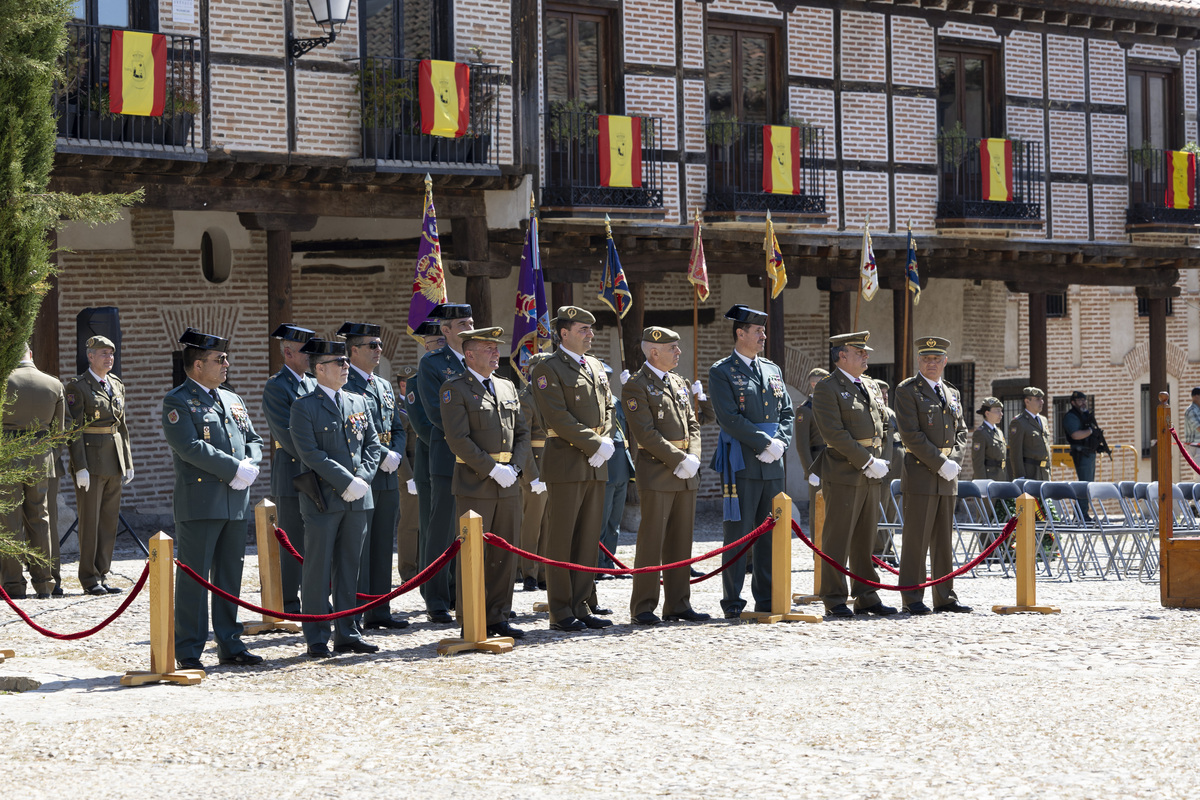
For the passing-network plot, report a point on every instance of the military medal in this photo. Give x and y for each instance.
(97, 414)
(207, 434)
(660, 413)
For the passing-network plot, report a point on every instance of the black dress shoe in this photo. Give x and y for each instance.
(594, 622)
(386, 624)
(189, 663)
(58, 592)
(356, 646)
(440, 617)
(43, 595)
(243, 659)
(504, 629)
(529, 585)
(841, 611)
(603, 612)
(696, 573)
(688, 615)
(917, 609)
(879, 610)
(111, 589)
(568, 624)
(601, 576)
(954, 607)
(98, 590)
(541, 586)
(733, 614)
(319, 651)
(646, 618)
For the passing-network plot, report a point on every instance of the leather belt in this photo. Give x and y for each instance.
(537, 442)
(599, 431)
(107, 429)
(682, 444)
(875, 442)
(385, 437)
(499, 458)
(1040, 463)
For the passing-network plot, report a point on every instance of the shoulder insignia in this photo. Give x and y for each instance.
(411, 397)
(977, 445)
(70, 398)
(446, 396)
(173, 416)
(541, 382)
(632, 404)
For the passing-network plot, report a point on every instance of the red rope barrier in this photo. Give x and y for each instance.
(137, 587)
(970, 565)
(879, 562)
(1186, 455)
(403, 588)
(286, 543)
(698, 578)
(613, 558)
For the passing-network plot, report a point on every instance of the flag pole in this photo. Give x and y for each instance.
(908, 334)
(696, 327)
(620, 334)
(861, 256)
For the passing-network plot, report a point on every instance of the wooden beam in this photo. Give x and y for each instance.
(279, 289)
(1038, 374)
(477, 269)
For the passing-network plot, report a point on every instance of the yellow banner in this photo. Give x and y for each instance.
(620, 151)
(783, 166)
(997, 169)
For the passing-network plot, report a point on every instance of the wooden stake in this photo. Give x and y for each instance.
(6, 654)
(781, 569)
(816, 535)
(474, 615)
(162, 620)
(1026, 545)
(271, 588)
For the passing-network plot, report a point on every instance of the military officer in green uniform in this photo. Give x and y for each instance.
(435, 369)
(573, 396)
(216, 454)
(335, 439)
(535, 522)
(1029, 438)
(281, 390)
(365, 349)
(486, 431)
(848, 411)
(658, 411)
(410, 509)
(988, 447)
(100, 460)
(929, 414)
(755, 413)
(809, 443)
(430, 333)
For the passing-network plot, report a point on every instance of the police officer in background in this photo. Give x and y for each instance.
(1029, 438)
(430, 333)
(988, 448)
(410, 509)
(809, 444)
(535, 522)
(1079, 424)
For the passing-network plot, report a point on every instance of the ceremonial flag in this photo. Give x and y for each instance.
(914, 280)
(444, 89)
(620, 151)
(868, 274)
(1181, 179)
(531, 322)
(614, 291)
(775, 268)
(697, 267)
(137, 73)
(429, 283)
(996, 165)
(781, 159)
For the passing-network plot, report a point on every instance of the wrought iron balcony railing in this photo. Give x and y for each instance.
(962, 182)
(735, 171)
(82, 102)
(391, 116)
(1150, 175)
(573, 171)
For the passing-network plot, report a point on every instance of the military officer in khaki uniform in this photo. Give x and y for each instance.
(848, 411)
(535, 522)
(929, 414)
(988, 448)
(486, 431)
(410, 509)
(573, 396)
(658, 410)
(1029, 438)
(809, 443)
(101, 461)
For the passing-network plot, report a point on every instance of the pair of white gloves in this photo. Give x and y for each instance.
(697, 389)
(773, 453)
(504, 475)
(390, 462)
(688, 467)
(357, 489)
(246, 473)
(607, 448)
(83, 479)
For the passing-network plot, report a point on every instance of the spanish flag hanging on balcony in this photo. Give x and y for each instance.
(996, 167)
(1181, 179)
(620, 151)
(137, 73)
(781, 159)
(444, 89)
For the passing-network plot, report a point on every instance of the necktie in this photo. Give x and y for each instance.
(937, 387)
(337, 400)
(863, 388)
(104, 385)
(756, 370)
(370, 380)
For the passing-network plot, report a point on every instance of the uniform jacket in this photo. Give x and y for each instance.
(35, 400)
(389, 426)
(987, 444)
(577, 407)
(207, 445)
(664, 427)
(620, 466)
(927, 427)
(1026, 441)
(479, 426)
(281, 390)
(435, 369)
(891, 436)
(741, 403)
(531, 469)
(405, 471)
(105, 454)
(809, 443)
(843, 416)
(338, 446)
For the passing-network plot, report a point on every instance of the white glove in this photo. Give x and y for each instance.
(357, 489)
(876, 468)
(412, 486)
(83, 479)
(949, 470)
(237, 484)
(504, 475)
(688, 467)
(390, 462)
(607, 448)
(814, 479)
(765, 456)
(536, 486)
(247, 472)
(624, 376)
(776, 449)
(128, 477)
(698, 390)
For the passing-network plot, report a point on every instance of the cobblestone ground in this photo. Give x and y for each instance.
(1097, 701)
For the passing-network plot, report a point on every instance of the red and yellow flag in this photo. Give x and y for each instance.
(444, 91)
(1181, 179)
(996, 164)
(781, 159)
(697, 266)
(137, 73)
(620, 151)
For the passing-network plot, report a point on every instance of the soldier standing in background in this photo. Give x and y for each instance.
(1029, 438)
(410, 507)
(988, 448)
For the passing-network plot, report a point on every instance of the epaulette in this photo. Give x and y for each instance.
(907, 381)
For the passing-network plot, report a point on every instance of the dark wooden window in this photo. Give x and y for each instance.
(135, 14)
(1056, 304)
(1150, 92)
(1144, 307)
(406, 28)
(742, 70)
(578, 58)
(968, 90)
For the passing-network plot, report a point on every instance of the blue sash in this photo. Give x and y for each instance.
(729, 461)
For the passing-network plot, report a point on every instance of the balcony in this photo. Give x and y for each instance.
(735, 173)
(1149, 208)
(962, 202)
(81, 101)
(574, 180)
(391, 120)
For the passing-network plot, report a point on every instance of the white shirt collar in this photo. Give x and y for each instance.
(478, 377)
(989, 425)
(749, 362)
(202, 387)
(850, 377)
(575, 356)
(366, 376)
(298, 376)
(932, 384)
(662, 376)
(94, 375)
(329, 392)
(1033, 415)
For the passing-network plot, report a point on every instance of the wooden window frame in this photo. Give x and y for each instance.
(994, 125)
(1174, 131)
(776, 96)
(612, 98)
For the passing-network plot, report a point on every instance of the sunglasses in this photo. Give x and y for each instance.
(222, 359)
(374, 345)
(340, 361)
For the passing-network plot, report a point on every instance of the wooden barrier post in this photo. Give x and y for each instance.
(474, 613)
(815, 534)
(269, 581)
(162, 620)
(6, 654)
(1026, 535)
(781, 568)
(1179, 556)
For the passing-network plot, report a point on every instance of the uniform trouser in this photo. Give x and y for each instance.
(576, 511)
(501, 516)
(535, 524)
(614, 510)
(291, 522)
(755, 500)
(375, 571)
(406, 534)
(435, 538)
(664, 537)
(928, 528)
(812, 511)
(334, 545)
(52, 512)
(99, 512)
(29, 522)
(848, 537)
(1085, 465)
(214, 548)
(424, 498)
